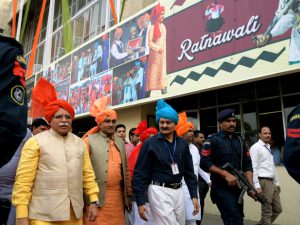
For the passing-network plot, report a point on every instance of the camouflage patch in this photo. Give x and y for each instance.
(17, 94)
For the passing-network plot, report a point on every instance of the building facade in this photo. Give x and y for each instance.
(207, 56)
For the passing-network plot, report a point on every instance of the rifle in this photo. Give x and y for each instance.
(244, 184)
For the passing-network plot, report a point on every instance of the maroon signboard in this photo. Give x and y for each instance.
(206, 32)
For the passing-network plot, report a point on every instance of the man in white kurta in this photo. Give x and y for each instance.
(185, 129)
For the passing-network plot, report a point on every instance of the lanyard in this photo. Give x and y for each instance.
(174, 150)
(268, 149)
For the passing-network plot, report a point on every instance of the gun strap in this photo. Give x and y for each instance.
(242, 151)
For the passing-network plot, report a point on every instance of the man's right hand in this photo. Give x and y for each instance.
(230, 179)
(142, 211)
(22, 221)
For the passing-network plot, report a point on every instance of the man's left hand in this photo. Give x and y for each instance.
(92, 212)
(196, 206)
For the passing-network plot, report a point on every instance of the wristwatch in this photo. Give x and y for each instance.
(96, 202)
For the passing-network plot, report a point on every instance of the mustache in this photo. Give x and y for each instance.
(63, 124)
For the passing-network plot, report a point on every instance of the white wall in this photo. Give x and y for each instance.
(290, 200)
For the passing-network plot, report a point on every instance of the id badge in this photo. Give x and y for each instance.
(175, 169)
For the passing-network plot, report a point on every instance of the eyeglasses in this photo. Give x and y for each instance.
(59, 117)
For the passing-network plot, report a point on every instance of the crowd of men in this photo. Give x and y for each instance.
(50, 176)
(157, 177)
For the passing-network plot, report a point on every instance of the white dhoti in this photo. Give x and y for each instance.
(167, 205)
(190, 219)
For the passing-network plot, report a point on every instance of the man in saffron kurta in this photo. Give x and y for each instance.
(107, 152)
(53, 172)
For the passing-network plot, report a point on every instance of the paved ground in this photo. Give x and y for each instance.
(216, 220)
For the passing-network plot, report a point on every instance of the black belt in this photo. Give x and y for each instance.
(173, 186)
(266, 178)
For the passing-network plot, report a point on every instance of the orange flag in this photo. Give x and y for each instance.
(113, 10)
(35, 41)
(14, 20)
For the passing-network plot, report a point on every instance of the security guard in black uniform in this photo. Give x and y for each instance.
(291, 154)
(220, 148)
(13, 106)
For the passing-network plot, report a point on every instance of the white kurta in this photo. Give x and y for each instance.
(189, 207)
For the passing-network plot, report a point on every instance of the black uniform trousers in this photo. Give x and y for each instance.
(226, 199)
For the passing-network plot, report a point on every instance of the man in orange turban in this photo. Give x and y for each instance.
(185, 129)
(54, 168)
(107, 152)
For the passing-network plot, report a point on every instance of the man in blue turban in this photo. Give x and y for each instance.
(164, 110)
(162, 163)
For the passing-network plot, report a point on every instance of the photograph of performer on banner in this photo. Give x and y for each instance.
(157, 64)
(63, 68)
(215, 20)
(286, 17)
(129, 82)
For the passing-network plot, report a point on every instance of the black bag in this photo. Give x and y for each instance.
(291, 156)
(13, 104)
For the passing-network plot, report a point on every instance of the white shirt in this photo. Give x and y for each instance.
(262, 163)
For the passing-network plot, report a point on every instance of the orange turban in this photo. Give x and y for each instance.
(44, 102)
(183, 124)
(100, 112)
(54, 106)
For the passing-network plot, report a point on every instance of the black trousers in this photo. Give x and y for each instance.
(203, 189)
(226, 199)
(4, 210)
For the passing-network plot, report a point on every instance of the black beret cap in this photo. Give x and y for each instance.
(225, 114)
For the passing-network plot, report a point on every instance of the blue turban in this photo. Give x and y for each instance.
(164, 110)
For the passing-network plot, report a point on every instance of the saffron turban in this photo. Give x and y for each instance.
(54, 106)
(165, 111)
(155, 13)
(100, 112)
(183, 125)
(44, 102)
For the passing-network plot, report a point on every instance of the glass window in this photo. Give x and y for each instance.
(236, 94)
(78, 31)
(87, 18)
(269, 106)
(207, 99)
(191, 100)
(208, 121)
(267, 88)
(290, 83)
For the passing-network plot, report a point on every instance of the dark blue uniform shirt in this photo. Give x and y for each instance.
(219, 149)
(154, 164)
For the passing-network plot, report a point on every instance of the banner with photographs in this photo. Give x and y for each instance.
(100, 85)
(174, 48)
(62, 89)
(79, 96)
